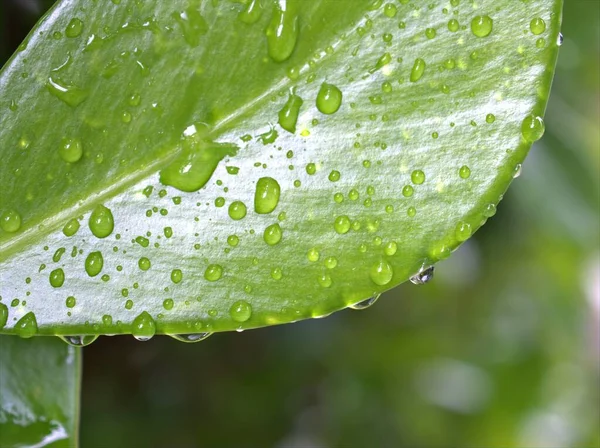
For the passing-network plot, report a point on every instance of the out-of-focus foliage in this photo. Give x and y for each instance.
(501, 350)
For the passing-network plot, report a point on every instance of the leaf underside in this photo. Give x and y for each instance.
(412, 163)
(39, 393)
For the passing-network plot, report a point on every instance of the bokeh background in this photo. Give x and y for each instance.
(500, 350)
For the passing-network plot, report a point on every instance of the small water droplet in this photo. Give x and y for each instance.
(240, 311)
(313, 255)
(94, 263)
(288, 115)
(143, 327)
(266, 196)
(329, 99)
(3, 315)
(10, 221)
(417, 177)
(190, 338)
(517, 170)
(142, 241)
(532, 128)
(57, 278)
(237, 210)
(74, 28)
(70, 302)
(462, 231)
(26, 326)
(282, 32)
(424, 275)
(213, 272)
(70, 150)
(482, 26)
(71, 227)
(273, 234)
(364, 304)
(418, 70)
(390, 248)
(464, 172)
(144, 264)
(101, 222)
(342, 224)
(537, 26)
(453, 25)
(251, 13)
(489, 210)
(381, 273)
(80, 340)
(390, 10)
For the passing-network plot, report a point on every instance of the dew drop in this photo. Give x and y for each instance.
(71, 227)
(390, 10)
(74, 28)
(342, 224)
(10, 221)
(101, 222)
(57, 278)
(192, 24)
(430, 33)
(240, 311)
(288, 115)
(311, 169)
(190, 338)
(251, 13)
(313, 255)
(517, 170)
(26, 326)
(213, 272)
(70, 94)
(3, 315)
(481, 26)
(70, 150)
(325, 280)
(462, 231)
(381, 273)
(70, 302)
(94, 263)
(168, 304)
(537, 26)
(407, 191)
(334, 176)
(417, 177)
(282, 32)
(80, 340)
(143, 327)
(176, 275)
(144, 263)
(464, 172)
(329, 99)
(423, 276)
(364, 304)
(559, 39)
(417, 70)
(390, 248)
(490, 118)
(489, 210)
(273, 234)
(532, 128)
(266, 196)
(237, 210)
(142, 241)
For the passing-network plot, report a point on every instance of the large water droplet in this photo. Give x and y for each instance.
(532, 128)
(79, 340)
(266, 196)
(423, 276)
(70, 150)
(273, 234)
(240, 311)
(143, 327)
(282, 32)
(342, 224)
(57, 278)
(101, 222)
(237, 210)
(213, 272)
(364, 304)
(537, 26)
(288, 115)
(329, 99)
(10, 221)
(418, 69)
(74, 28)
(190, 338)
(26, 326)
(94, 263)
(481, 26)
(381, 273)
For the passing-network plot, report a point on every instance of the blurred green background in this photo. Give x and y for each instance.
(500, 350)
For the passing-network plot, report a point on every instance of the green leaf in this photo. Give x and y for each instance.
(311, 154)
(39, 393)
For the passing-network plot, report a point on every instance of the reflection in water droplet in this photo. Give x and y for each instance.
(74, 28)
(191, 337)
(423, 276)
(364, 304)
(79, 341)
(213, 272)
(237, 210)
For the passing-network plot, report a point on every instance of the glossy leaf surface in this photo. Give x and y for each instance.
(190, 167)
(39, 393)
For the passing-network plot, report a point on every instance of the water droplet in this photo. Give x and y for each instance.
(213, 272)
(251, 13)
(490, 118)
(532, 128)
(71, 227)
(453, 25)
(330, 262)
(94, 263)
(517, 170)
(313, 255)
(237, 210)
(342, 224)
(80, 340)
(325, 280)
(329, 99)
(26, 326)
(273, 234)
(70, 94)
(481, 26)
(390, 10)
(176, 275)
(266, 196)
(334, 176)
(269, 137)
(101, 222)
(282, 32)
(233, 240)
(407, 191)
(381, 273)
(58, 254)
(70, 302)
(74, 28)
(190, 338)
(143, 327)
(559, 39)
(168, 304)
(423, 276)
(70, 150)
(142, 241)
(390, 248)
(462, 231)
(288, 115)
(364, 304)
(57, 278)
(417, 177)
(430, 33)
(3, 315)
(417, 70)
(240, 311)
(464, 172)
(144, 263)
(168, 231)
(192, 24)
(537, 26)
(311, 169)
(10, 221)
(489, 210)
